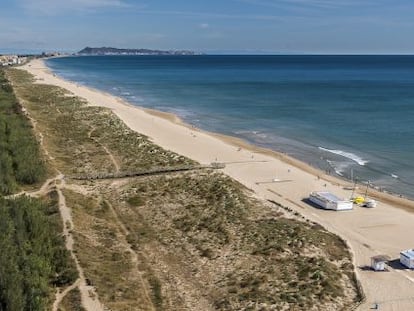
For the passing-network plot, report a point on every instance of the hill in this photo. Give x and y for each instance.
(116, 51)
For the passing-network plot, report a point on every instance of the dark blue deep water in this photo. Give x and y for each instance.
(339, 113)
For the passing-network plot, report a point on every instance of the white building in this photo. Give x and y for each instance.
(329, 201)
(10, 60)
(407, 258)
(378, 262)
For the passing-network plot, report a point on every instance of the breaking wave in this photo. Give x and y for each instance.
(339, 167)
(347, 155)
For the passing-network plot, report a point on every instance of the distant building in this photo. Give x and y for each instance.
(10, 60)
(407, 258)
(329, 201)
(51, 54)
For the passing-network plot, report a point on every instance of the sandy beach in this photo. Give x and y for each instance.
(385, 229)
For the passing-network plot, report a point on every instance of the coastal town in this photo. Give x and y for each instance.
(7, 60)
(11, 60)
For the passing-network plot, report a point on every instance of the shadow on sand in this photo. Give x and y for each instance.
(369, 269)
(396, 265)
(314, 205)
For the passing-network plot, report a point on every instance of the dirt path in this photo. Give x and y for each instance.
(134, 256)
(89, 297)
(60, 295)
(44, 189)
(107, 151)
(111, 156)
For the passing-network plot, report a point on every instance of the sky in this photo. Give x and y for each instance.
(210, 26)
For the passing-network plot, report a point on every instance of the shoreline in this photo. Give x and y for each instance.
(387, 196)
(274, 176)
(375, 191)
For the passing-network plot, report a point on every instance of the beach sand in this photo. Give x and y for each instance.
(386, 229)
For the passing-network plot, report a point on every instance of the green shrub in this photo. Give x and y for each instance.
(20, 161)
(32, 258)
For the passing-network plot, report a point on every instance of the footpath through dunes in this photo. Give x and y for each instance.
(33, 258)
(195, 240)
(43, 241)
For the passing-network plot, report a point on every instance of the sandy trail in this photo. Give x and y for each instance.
(386, 229)
(134, 256)
(60, 295)
(107, 151)
(89, 297)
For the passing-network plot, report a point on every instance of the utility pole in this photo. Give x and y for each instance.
(353, 188)
(366, 189)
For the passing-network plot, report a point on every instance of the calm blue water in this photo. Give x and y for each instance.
(339, 113)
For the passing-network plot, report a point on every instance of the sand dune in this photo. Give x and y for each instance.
(386, 229)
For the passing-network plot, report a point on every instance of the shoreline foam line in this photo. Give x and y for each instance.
(346, 154)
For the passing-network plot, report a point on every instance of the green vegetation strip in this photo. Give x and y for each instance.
(20, 163)
(33, 259)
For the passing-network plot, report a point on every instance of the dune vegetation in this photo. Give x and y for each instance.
(20, 162)
(33, 257)
(178, 241)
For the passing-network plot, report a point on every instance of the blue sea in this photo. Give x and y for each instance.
(352, 116)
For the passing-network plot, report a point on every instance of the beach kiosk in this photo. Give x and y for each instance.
(378, 262)
(407, 258)
(329, 201)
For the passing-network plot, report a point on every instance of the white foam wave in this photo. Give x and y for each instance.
(347, 155)
(251, 133)
(338, 167)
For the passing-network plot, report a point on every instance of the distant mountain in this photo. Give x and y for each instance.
(115, 51)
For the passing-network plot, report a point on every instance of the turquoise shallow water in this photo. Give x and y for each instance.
(340, 113)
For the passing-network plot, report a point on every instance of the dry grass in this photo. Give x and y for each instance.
(75, 135)
(203, 243)
(249, 255)
(103, 253)
(72, 302)
(194, 241)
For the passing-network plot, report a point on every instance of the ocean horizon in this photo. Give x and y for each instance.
(351, 116)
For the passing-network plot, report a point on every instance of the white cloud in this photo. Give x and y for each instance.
(204, 25)
(51, 7)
